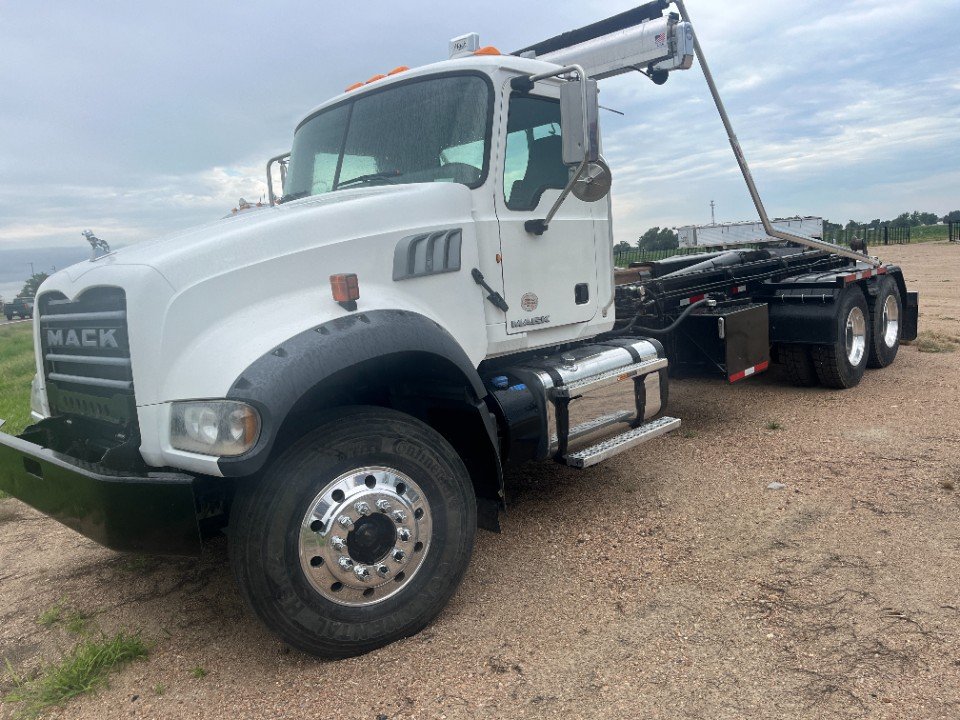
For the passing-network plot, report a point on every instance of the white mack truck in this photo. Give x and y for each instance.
(338, 379)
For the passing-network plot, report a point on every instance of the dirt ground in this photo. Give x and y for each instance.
(667, 583)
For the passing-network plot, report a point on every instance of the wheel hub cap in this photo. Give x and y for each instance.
(856, 336)
(891, 321)
(365, 535)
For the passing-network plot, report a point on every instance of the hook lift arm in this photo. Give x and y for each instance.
(745, 169)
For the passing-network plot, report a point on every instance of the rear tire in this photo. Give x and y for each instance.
(314, 541)
(887, 324)
(842, 364)
(799, 365)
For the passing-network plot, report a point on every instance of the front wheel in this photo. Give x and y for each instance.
(357, 535)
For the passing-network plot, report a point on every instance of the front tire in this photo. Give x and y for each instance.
(842, 364)
(357, 535)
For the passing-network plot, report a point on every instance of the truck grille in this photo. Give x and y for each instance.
(86, 354)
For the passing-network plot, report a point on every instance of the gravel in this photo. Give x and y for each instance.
(666, 583)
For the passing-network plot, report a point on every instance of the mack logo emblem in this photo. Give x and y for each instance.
(529, 301)
(541, 320)
(87, 337)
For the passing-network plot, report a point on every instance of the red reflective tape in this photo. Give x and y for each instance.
(691, 300)
(738, 289)
(882, 270)
(759, 368)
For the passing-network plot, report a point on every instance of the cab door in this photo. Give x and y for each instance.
(549, 280)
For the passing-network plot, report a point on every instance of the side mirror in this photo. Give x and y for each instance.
(579, 121)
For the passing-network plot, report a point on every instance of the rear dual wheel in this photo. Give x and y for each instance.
(842, 363)
(357, 535)
(887, 328)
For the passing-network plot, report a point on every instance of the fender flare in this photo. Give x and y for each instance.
(276, 381)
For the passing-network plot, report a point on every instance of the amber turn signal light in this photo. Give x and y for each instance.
(345, 287)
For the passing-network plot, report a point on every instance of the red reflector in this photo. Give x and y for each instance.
(345, 287)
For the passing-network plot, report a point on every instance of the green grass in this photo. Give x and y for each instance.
(72, 619)
(933, 342)
(84, 669)
(50, 616)
(774, 425)
(198, 672)
(17, 369)
(928, 233)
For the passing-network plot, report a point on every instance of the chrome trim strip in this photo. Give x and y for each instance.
(88, 359)
(67, 317)
(93, 382)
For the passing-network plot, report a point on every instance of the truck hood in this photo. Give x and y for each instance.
(250, 238)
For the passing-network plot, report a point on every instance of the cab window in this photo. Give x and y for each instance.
(534, 156)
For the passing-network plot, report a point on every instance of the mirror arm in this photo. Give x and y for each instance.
(539, 227)
(283, 176)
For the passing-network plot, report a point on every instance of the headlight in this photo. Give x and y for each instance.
(214, 427)
(38, 399)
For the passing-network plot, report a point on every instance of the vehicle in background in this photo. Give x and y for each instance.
(745, 233)
(21, 307)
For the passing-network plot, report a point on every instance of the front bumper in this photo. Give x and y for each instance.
(153, 512)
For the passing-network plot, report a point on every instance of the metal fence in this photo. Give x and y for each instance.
(872, 234)
(953, 232)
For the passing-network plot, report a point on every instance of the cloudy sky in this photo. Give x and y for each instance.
(138, 119)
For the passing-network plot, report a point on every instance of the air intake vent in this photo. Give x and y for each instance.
(427, 254)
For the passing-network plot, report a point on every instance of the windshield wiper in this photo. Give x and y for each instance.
(389, 174)
(293, 196)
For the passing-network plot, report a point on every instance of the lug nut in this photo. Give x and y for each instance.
(345, 562)
(383, 505)
(362, 508)
(398, 555)
(345, 521)
(337, 543)
(362, 572)
(403, 534)
(383, 571)
(399, 515)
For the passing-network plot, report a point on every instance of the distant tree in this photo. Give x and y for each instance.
(622, 246)
(31, 285)
(902, 220)
(924, 218)
(658, 239)
(952, 217)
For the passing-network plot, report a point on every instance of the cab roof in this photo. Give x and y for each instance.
(487, 64)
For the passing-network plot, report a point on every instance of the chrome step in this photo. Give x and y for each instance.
(593, 425)
(617, 444)
(610, 377)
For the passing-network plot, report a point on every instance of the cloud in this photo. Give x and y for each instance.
(163, 116)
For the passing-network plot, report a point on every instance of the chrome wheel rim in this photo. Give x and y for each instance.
(891, 321)
(365, 535)
(856, 336)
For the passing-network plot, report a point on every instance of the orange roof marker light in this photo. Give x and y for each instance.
(488, 50)
(381, 76)
(353, 87)
(398, 70)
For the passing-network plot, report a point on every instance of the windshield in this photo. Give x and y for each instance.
(431, 130)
